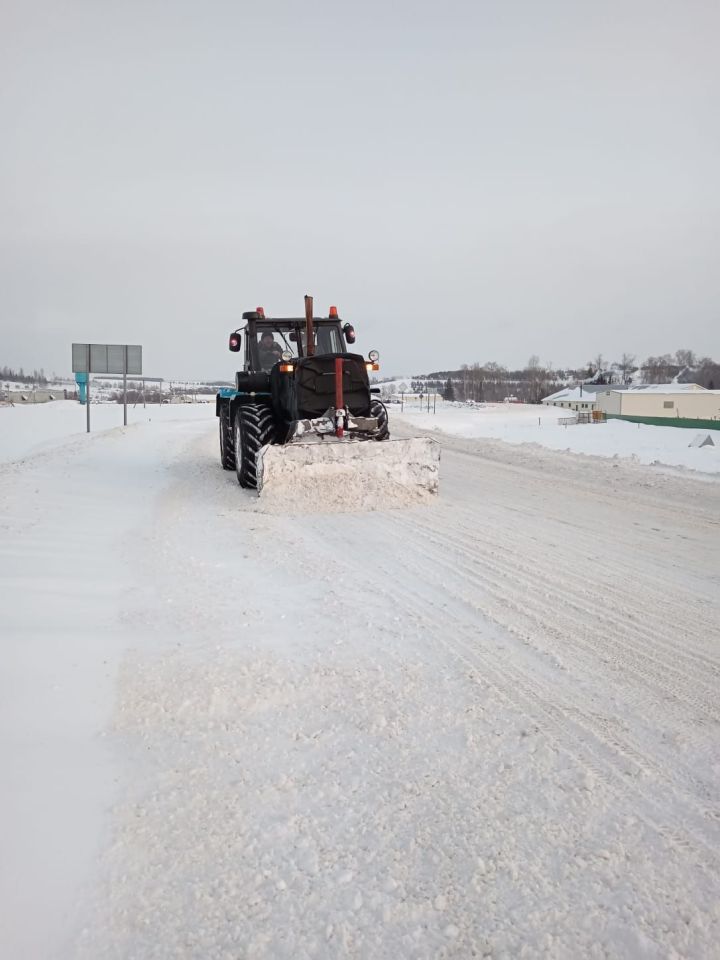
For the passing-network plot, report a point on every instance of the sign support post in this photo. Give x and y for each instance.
(87, 391)
(125, 369)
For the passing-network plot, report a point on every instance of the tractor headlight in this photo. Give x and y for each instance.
(373, 356)
(287, 355)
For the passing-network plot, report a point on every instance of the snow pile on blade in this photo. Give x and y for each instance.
(331, 475)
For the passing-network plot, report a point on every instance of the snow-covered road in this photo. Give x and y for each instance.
(488, 727)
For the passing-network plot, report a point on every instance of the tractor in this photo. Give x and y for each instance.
(299, 386)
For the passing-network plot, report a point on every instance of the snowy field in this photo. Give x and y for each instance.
(525, 423)
(484, 728)
(35, 429)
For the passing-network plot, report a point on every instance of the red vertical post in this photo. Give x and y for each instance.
(339, 399)
(309, 333)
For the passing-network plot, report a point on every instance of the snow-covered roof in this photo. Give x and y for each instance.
(596, 387)
(571, 395)
(660, 388)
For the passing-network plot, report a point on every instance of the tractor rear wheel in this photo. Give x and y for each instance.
(254, 427)
(227, 439)
(377, 409)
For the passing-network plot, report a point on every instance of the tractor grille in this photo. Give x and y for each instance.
(312, 390)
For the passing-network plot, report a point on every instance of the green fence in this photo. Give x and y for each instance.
(669, 421)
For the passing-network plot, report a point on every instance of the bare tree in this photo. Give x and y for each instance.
(625, 364)
(708, 374)
(536, 378)
(685, 358)
(659, 369)
(494, 369)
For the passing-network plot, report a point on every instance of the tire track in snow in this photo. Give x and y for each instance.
(587, 544)
(647, 655)
(592, 746)
(598, 481)
(572, 612)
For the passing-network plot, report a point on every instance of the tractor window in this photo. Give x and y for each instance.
(271, 344)
(328, 340)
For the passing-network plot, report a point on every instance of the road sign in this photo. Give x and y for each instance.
(107, 358)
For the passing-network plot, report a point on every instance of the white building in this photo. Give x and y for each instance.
(578, 399)
(661, 401)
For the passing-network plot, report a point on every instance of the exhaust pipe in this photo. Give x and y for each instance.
(309, 333)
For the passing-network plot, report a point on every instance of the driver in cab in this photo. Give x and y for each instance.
(269, 352)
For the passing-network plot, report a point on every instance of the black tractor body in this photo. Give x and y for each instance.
(298, 380)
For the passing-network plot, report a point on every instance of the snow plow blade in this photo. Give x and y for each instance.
(349, 474)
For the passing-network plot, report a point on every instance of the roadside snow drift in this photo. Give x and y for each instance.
(529, 423)
(39, 428)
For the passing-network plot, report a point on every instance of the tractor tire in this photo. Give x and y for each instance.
(227, 439)
(254, 427)
(377, 409)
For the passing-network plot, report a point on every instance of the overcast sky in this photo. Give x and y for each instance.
(467, 181)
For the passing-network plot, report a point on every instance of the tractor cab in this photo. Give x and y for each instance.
(268, 341)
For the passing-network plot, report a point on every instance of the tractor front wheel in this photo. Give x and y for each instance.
(378, 410)
(254, 428)
(227, 439)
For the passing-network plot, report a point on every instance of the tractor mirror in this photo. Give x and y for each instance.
(349, 331)
(234, 343)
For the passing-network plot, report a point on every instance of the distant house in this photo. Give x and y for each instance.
(578, 399)
(672, 404)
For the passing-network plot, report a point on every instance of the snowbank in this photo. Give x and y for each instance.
(526, 423)
(38, 428)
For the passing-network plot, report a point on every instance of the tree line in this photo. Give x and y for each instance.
(19, 376)
(491, 382)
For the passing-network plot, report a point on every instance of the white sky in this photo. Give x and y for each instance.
(467, 181)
